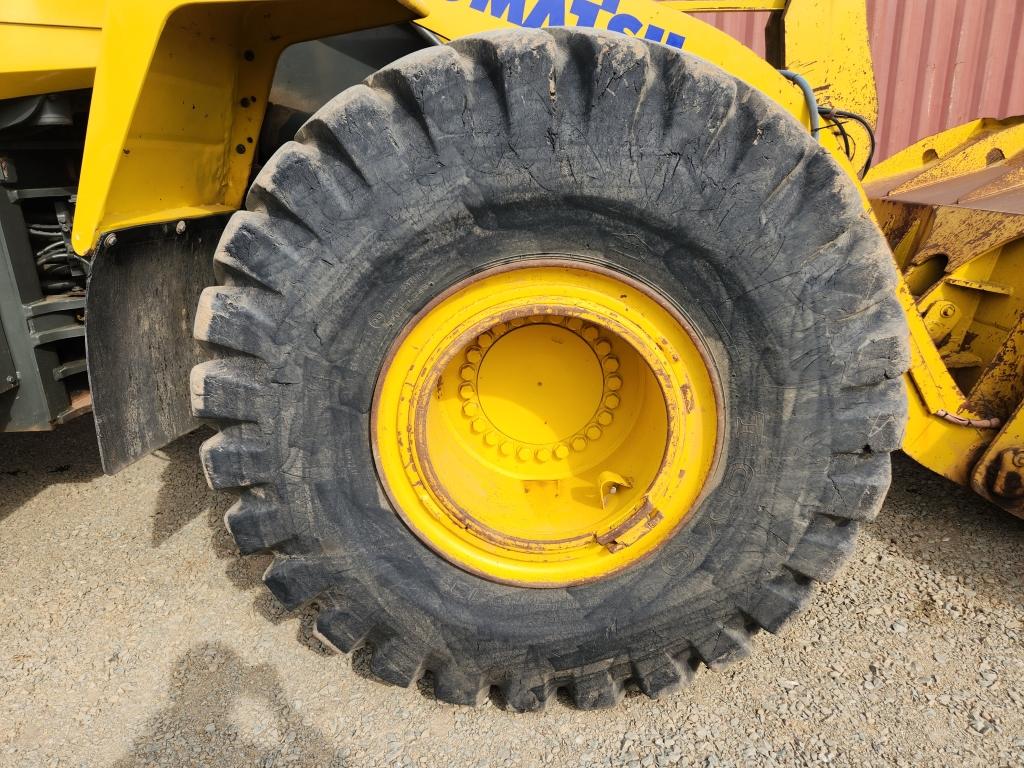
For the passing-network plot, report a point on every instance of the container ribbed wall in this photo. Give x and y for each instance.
(938, 63)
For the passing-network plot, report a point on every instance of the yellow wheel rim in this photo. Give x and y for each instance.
(546, 424)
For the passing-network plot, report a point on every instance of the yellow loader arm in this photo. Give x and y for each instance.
(952, 206)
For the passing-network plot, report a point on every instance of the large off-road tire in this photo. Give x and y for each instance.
(498, 148)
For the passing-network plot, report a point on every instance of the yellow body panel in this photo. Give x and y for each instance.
(179, 91)
(55, 13)
(169, 137)
(44, 59)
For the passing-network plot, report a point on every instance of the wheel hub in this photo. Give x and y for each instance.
(537, 388)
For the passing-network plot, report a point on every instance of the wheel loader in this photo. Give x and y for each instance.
(550, 344)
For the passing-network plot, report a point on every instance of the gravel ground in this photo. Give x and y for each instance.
(135, 636)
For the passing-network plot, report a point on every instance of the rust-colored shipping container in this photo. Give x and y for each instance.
(938, 63)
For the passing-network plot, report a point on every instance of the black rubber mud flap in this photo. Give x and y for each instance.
(140, 310)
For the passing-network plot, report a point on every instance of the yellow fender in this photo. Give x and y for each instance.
(179, 89)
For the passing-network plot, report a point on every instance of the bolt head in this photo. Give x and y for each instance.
(180, 228)
(110, 240)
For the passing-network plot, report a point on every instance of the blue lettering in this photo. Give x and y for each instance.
(586, 10)
(514, 9)
(625, 23)
(655, 34)
(547, 13)
(675, 40)
(552, 13)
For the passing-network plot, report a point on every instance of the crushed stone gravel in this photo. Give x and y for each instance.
(134, 635)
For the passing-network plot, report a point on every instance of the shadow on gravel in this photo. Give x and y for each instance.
(184, 496)
(935, 522)
(31, 462)
(225, 711)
